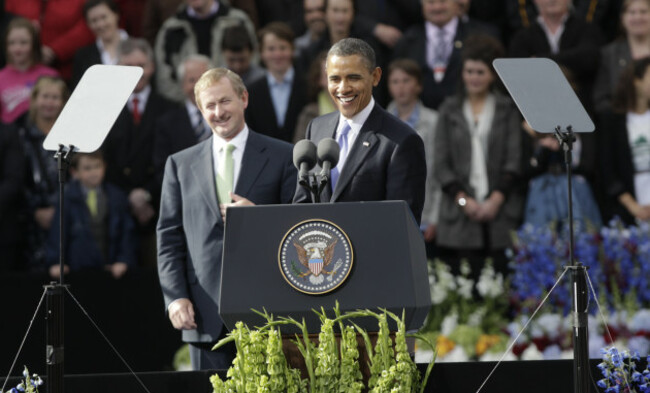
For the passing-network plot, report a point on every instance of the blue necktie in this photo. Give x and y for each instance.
(342, 140)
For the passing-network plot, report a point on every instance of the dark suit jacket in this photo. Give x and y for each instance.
(386, 162)
(128, 149)
(413, 44)
(261, 114)
(174, 132)
(579, 51)
(190, 228)
(81, 249)
(85, 57)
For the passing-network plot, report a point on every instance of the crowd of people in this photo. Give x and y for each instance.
(487, 170)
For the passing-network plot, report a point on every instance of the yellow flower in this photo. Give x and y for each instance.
(485, 342)
(444, 345)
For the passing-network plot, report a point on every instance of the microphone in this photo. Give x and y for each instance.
(328, 157)
(304, 158)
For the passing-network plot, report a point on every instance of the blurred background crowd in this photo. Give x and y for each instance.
(488, 171)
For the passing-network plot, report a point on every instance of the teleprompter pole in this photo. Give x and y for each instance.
(54, 333)
(580, 295)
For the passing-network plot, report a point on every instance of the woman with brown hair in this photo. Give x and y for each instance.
(625, 149)
(477, 161)
(633, 44)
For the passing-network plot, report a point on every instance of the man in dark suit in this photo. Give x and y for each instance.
(279, 96)
(184, 126)
(129, 146)
(192, 212)
(436, 45)
(563, 37)
(381, 157)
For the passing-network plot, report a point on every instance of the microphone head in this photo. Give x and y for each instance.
(328, 150)
(304, 152)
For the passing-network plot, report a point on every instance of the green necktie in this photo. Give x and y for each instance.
(225, 174)
(91, 202)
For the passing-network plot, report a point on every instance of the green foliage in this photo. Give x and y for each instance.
(261, 367)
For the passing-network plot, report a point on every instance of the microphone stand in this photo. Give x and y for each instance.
(580, 294)
(310, 183)
(55, 291)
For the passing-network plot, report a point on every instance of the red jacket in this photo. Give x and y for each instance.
(63, 27)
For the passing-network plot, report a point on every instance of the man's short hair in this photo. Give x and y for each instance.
(279, 29)
(90, 4)
(354, 46)
(130, 45)
(214, 75)
(409, 66)
(199, 58)
(95, 155)
(236, 39)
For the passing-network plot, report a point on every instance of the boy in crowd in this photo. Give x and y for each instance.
(99, 231)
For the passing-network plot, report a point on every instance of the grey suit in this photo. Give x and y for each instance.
(452, 165)
(386, 162)
(190, 229)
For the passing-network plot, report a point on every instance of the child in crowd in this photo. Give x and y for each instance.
(22, 70)
(99, 232)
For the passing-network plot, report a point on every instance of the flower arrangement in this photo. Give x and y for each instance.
(620, 373)
(28, 384)
(467, 327)
(260, 364)
(467, 319)
(618, 265)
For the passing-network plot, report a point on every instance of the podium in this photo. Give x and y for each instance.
(384, 265)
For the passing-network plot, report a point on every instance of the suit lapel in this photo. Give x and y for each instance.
(364, 143)
(203, 172)
(252, 164)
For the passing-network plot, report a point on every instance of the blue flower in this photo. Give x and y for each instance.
(602, 383)
(637, 377)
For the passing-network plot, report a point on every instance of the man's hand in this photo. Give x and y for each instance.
(55, 271)
(387, 34)
(181, 314)
(237, 201)
(140, 199)
(117, 269)
(43, 217)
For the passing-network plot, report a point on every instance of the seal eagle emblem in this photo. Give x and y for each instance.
(315, 257)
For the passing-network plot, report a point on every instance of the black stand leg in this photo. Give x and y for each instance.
(54, 337)
(579, 282)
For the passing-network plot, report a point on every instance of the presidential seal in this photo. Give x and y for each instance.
(315, 257)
